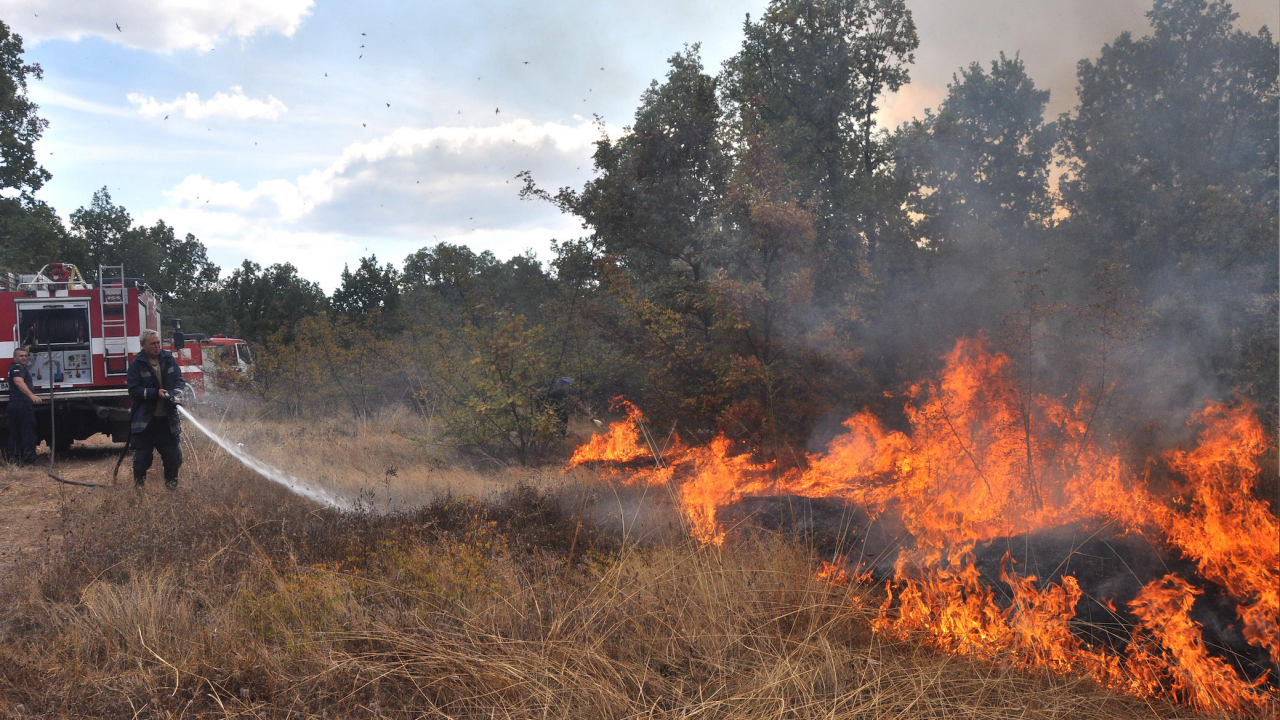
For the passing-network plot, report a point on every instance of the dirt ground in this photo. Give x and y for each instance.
(30, 501)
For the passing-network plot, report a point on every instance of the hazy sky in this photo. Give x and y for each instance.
(315, 132)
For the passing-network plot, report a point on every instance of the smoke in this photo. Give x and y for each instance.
(1162, 281)
(289, 482)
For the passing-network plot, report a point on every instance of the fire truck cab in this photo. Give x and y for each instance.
(209, 362)
(82, 336)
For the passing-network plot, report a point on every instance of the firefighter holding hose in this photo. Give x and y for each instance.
(156, 386)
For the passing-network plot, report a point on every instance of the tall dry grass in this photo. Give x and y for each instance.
(392, 460)
(233, 598)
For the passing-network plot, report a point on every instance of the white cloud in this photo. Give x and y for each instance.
(236, 105)
(393, 194)
(231, 238)
(157, 25)
(413, 164)
(45, 96)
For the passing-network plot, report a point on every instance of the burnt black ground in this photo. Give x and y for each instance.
(1110, 566)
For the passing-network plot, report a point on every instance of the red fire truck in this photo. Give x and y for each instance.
(209, 362)
(82, 336)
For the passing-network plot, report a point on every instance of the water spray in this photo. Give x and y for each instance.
(289, 482)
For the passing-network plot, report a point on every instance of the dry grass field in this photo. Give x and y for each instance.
(464, 589)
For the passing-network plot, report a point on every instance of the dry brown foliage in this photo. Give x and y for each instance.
(232, 598)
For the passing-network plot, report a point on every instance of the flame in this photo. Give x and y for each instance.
(1225, 528)
(621, 444)
(955, 611)
(833, 573)
(1172, 654)
(985, 458)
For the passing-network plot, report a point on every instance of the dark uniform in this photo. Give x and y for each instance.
(22, 417)
(561, 397)
(155, 426)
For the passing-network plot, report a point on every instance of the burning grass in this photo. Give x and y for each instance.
(233, 598)
(988, 459)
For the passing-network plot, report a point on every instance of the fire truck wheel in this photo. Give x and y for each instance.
(64, 444)
(189, 396)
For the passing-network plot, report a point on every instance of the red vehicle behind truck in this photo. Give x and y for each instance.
(207, 362)
(82, 336)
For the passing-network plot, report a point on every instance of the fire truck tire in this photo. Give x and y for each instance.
(64, 443)
(189, 396)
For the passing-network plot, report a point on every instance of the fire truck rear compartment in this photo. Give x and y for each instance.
(59, 336)
(59, 333)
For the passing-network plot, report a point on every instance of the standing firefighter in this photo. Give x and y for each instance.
(22, 415)
(156, 385)
(563, 398)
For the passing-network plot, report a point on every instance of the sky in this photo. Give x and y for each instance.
(318, 132)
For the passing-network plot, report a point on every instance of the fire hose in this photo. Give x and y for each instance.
(124, 451)
(288, 481)
(53, 434)
(115, 473)
(53, 430)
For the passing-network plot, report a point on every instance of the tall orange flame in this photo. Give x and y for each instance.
(986, 458)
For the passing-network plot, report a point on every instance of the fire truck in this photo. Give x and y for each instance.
(82, 336)
(216, 359)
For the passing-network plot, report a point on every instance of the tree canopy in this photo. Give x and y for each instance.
(760, 256)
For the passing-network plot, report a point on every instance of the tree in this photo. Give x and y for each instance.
(777, 362)
(323, 363)
(257, 304)
(178, 270)
(450, 271)
(369, 290)
(33, 234)
(102, 229)
(977, 175)
(1167, 123)
(181, 271)
(1172, 174)
(656, 199)
(20, 126)
(808, 82)
(980, 165)
(487, 338)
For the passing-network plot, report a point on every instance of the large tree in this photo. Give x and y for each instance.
(980, 164)
(32, 232)
(178, 269)
(368, 291)
(655, 202)
(257, 303)
(808, 82)
(977, 175)
(474, 282)
(20, 126)
(1172, 160)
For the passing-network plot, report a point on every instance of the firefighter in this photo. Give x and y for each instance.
(562, 397)
(22, 414)
(156, 386)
